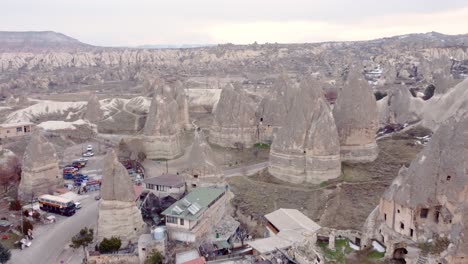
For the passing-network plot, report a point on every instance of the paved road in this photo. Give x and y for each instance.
(52, 240)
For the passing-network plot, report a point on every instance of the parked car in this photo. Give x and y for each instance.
(89, 148)
(68, 176)
(77, 205)
(88, 154)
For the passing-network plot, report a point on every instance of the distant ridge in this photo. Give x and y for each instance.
(38, 41)
(169, 46)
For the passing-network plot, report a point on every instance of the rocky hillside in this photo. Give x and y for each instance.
(36, 41)
(418, 60)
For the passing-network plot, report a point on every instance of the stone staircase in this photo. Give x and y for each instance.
(421, 260)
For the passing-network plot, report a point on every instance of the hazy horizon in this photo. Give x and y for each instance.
(145, 22)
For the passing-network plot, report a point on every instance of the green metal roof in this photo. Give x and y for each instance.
(203, 196)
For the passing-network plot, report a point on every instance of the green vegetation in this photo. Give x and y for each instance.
(375, 255)
(5, 254)
(338, 255)
(10, 242)
(83, 239)
(110, 245)
(154, 257)
(261, 145)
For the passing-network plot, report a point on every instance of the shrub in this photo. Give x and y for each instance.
(5, 254)
(154, 257)
(110, 245)
(15, 205)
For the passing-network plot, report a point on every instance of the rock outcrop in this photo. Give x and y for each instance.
(442, 107)
(429, 200)
(235, 120)
(357, 119)
(202, 170)
(306, 148)
(93, 112)
(399, 107)
(40, 171)
(163, 127)
(118, 213)
(274, 108)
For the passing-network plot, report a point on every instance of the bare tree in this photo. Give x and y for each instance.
(10, 173)
(242, 232)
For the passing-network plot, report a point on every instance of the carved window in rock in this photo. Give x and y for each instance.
(424, 212)
(449, 178)
(402, 225)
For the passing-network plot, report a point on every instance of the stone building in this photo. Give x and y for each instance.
(15, 129)
(40, 171)
(357, 120)
(118, 213)
(202, 169)
(235, 120)
(195, 215)
(427, 202)
(306, 148)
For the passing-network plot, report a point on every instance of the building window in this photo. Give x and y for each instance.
(18, 129)
(411, 232)
(385, 217)
(170, 219)
(424, 213)
(195, 176)
(402, 225)
(8, 131)
(398, 211)
(181, 221)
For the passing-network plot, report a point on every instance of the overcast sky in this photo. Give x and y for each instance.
(138, 22)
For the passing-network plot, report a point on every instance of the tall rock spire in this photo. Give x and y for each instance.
(93, 112)
(162, 129)
(234, 119)
(118, 213)
(40, 171)
(356, 117)
(203, 170)
(298, 152)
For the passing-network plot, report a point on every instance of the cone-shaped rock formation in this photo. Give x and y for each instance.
(162, 128)
(118, 213)
(93, 112)
(306, 148)
(203, 170)
(357, 119)
(234, 119)
(40, 171)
